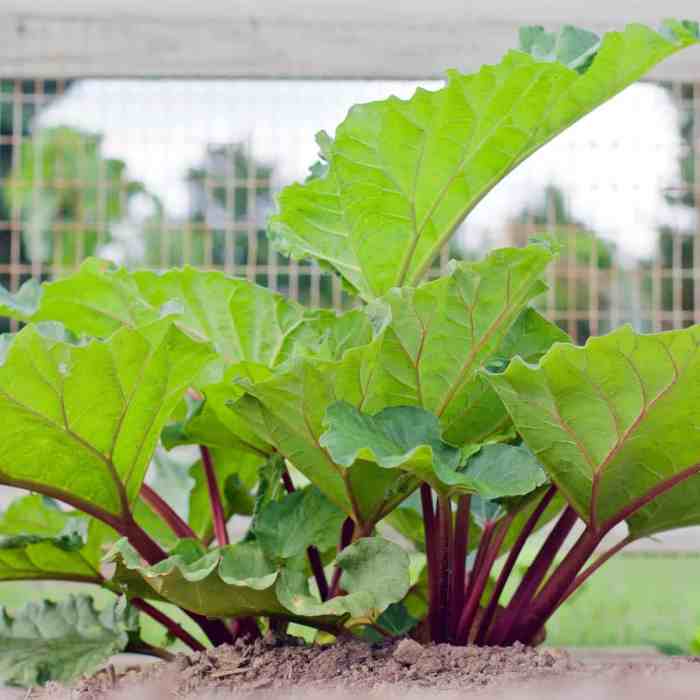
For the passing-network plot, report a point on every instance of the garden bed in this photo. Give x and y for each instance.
(398, 667)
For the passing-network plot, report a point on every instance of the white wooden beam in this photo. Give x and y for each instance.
(296, 39)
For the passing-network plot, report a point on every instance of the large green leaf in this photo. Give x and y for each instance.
(241, 580)
(244, 321)
(438, 334)
(403, 174)
(80, 423)
(96, 300)
(323, 335)
(613, 420)
(61, 641)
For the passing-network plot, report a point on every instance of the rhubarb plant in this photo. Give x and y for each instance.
(383, 468)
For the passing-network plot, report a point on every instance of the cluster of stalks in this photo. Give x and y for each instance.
(460, 609)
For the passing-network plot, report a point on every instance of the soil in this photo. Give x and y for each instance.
(399, 669)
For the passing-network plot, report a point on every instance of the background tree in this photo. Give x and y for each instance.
(68, 194)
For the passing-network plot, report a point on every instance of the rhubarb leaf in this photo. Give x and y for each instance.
(573, 47)
(33, 557)
(437, 335)
(244, 322)
(483, 417)
(270, 489)
(306, 517)
(81, 422)
(96, 300)
(504, 471)
(209, 422)
(323, 335)
(240, 579)
(613, 421)
(403, 174)
(42, 541)
(232, 581)
(401, 436)
(35, 515)
(61, 641)
(23, 304)
(409, 438)
(375, 574)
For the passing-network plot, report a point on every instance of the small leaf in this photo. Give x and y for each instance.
(409, 438)
(397, 620)
(375, 565)
(270, 489)
(401, 436)
(484, 510)
(375, 574)
(573, 47)
(502, 471)
(306, 517)
(23, 304)
(61, 641)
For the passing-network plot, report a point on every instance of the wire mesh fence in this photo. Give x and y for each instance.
(165, 173)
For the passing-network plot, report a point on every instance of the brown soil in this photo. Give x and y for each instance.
(386, 670)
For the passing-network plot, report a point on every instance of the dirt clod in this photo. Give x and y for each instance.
(407, 652)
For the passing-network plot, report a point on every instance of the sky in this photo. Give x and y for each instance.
(612, 166)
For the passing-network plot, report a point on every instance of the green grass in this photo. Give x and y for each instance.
(634, 600)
